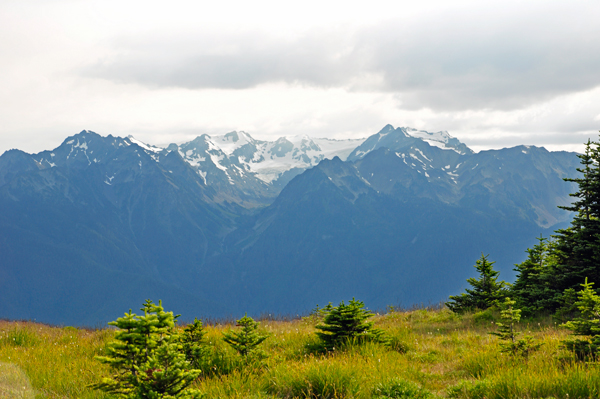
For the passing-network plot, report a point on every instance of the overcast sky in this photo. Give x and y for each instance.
(493, 74)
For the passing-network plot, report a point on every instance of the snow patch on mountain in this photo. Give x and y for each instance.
(145, 146)
(230, 142)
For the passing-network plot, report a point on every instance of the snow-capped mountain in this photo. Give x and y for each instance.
(239, 155)
(391, 138)
(211, 227)
(260, 167)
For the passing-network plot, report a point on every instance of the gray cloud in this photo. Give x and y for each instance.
(492, 59)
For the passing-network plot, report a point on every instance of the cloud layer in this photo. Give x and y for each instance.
(495, 73)
(481, 59)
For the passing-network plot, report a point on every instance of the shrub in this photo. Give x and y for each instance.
(484, 316)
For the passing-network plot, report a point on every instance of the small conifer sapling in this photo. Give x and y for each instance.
(506, 332)
(587, 325)
(193, 343)
(345, 324)
(245, 341)
(146, 360)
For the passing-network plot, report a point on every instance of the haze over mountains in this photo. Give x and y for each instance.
(227, 224)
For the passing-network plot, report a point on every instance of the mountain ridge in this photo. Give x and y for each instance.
(115, 218)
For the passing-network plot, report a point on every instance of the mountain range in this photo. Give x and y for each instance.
(228, 224)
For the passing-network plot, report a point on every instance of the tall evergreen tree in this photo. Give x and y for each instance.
(578, 246)
(486, 292)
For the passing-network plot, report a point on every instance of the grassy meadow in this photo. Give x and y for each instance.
(430, 353)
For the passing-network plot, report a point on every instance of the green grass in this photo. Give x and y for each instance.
(429, 354)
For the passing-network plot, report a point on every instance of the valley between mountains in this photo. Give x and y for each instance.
(223, 225)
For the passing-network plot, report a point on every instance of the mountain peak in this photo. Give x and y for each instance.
(387, 129)
(396, 138)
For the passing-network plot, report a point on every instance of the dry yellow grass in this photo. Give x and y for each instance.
(14, 383)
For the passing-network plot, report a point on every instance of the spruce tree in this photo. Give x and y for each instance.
(486, 291)
(245, 341)
(587, 325)
(345, 324)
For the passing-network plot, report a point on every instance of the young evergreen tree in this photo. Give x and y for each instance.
(345, 324)
(587, 325)
(506, 331)
(486, 291)
(145, 361)
(193, 343)
(247, 339)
